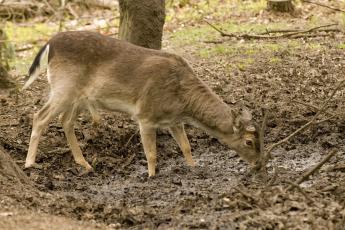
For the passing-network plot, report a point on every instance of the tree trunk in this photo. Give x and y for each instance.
(5, 82)
(141, 22)
(280, 5)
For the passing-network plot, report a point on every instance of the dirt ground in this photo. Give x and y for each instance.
(218, 193)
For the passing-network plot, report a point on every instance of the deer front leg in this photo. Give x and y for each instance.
(148, 138)
(181, 138)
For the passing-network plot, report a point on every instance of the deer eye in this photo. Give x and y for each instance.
(249, 142)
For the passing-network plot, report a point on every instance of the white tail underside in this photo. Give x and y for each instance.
(42, 64)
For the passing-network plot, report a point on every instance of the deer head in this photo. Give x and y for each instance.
(244, 137)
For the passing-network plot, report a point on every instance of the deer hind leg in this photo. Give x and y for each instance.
(148, 139)
(68, 118)
(94, 114)
(40, 121)
(180, 137)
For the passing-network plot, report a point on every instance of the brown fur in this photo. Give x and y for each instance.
(91, 71)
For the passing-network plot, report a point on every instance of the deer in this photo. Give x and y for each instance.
(88, 71)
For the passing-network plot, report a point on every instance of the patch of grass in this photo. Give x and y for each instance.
(19, 36)
(191, 35)
(25, 34)
(272, 47)
(314, 46)
(247, 50)
(275, 60)
(196, 10)
(244, 63)
(294, 44)
(219, 49)
(251, 6)
(341, 46)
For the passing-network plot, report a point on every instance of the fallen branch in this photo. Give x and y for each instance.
(59, 151)
(247, 195)
(312, 121)
(311, 106)
(319, 4)
(25, 48)
(311, 171)
(299, 30)
(294, 185)
(295, 34)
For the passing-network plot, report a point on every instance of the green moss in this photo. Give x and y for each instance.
(314, 46)
(275, 60)
(341, 46)
(191, 35)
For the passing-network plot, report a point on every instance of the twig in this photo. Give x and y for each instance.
(274, 177)
(262, 131)
(311, 171)
(49, 6)
(261, 163)
(321, 110)
(59, 150)
(245, 194)
(25, 48)
(326, 119)
(260, 36)
(294, 185)
(299, 30)
(129, 140)
(61, 14)
(279, 31)
(308, 35)
(331, 116)
(72, 11)
(128, 161)
(311, 106)
(319, 4)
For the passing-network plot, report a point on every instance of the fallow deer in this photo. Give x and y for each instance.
(87, 70)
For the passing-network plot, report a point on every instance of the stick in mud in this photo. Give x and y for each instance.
(312, 170)
(312, 121)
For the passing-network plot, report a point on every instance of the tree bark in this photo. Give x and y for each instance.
(5, 82)
(280, 5)
(141, 22)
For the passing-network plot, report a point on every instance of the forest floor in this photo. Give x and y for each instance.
(218, 193)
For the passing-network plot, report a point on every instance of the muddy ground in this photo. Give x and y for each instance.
(218, 193)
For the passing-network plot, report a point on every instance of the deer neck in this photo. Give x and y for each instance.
(207, 111)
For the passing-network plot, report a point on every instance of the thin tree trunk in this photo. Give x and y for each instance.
(280, 5)
(141, 22)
